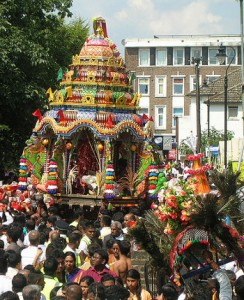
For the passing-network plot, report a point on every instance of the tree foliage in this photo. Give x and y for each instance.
(35, 42)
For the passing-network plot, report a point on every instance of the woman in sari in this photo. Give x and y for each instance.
(72, 273)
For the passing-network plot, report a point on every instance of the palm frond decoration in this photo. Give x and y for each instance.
(146, 241)
(209, 215)
(226, 182)
(129, 181)
(156, 228)
(229, 202)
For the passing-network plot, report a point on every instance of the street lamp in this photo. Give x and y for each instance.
(196, 61)
(222, 58)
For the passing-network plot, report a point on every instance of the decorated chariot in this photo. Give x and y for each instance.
(91, 145)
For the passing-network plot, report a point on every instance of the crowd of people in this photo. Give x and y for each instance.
(55, 253)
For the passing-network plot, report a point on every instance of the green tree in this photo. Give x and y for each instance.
(35, 42)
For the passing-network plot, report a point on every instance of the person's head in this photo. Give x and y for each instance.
(14, 232)
(30, 225)
(36, 277)
(14, 259)
(118, 281)
(168, 292)
(96, 291)
(116, 249)
(125, 248)
(32, 292)
(74, 239)
(74, 292)
(116, 228)
(59, 255)
(90, 230)
(99, 258)
(239, 287)
(133, 280)
(85, 283)
(26, 273)
(3, 262)
(31, 268)
(9, 296)
(50, 266)
(116, 292)
(54, 235)
(79, 214)
(19, 281)
(69, 262)
(107, 280)
(105, 221)
(128, 218)
(51, 221)
(34, 237)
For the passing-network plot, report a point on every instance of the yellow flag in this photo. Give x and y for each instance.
(69, 91)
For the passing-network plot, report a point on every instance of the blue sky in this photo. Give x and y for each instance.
(146, 18)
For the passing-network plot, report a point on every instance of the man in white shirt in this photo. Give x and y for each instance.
(5, 281)
(32, 255)
(105, 226)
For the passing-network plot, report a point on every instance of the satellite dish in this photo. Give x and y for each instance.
(158, 140)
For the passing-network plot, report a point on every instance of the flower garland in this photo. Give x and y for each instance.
(195, 156)
(23, 174)
(52, 184)
(192, 242)
(202, 170)
(109, 186)
(153, 180)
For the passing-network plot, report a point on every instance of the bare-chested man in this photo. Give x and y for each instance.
(122, 264)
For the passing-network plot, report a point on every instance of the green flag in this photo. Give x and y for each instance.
(75, 73)
(60, 74)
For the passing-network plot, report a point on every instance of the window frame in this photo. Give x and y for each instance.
(173, 85)
(217, 61)
(157, 107)
(175, 57)
(157, 78)
(229, 109)
(192, 84)
(200, 55)
(161, 49)
(145, 78)
(229, 58)
(147, 50)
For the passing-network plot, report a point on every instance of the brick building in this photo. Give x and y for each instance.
(165, 75)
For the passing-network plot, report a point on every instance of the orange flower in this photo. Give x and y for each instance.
(184, 216)
(132, 224)
(168, 229)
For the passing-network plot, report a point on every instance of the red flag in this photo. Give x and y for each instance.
(38, 114)
(61, 116)
(150, 119)
(144, 117)
(110, 121)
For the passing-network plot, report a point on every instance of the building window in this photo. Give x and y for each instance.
(193, 82)
(230, 55)
(177, 112)
(160, 117)
(211, 78)
(233, 111)
(161, 57)
(160, 86)
(178, 86)
(144, 57)
(143, 86)
(178, 56)
(196, 52)
(143, 111)
(212, 59)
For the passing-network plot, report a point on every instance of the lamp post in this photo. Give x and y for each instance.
(196, 61)
(222, 57)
